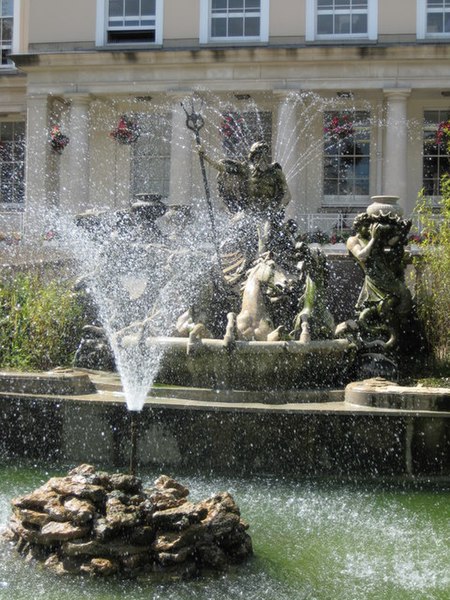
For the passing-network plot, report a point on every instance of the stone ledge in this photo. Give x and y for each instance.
(381, 393)
(54, 383)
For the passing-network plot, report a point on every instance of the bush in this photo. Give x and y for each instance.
(433, 283)
(40, 323)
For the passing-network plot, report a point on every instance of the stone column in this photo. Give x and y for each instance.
(396, 144)
(180, 155)
(74, 175)
(38, 200)
(286, 148)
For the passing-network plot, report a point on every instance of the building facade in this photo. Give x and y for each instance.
(349, 93)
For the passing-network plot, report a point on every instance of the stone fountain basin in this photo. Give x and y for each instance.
(212, 363)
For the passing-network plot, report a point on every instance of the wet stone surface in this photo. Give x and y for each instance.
(94, 523)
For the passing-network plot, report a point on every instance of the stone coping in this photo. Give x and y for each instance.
(381, 393)
(57, 382)
(377, 396)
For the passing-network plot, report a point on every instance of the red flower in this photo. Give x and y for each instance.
(339, 126)
(443, 133)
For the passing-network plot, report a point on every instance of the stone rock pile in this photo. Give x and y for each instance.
(105, 524)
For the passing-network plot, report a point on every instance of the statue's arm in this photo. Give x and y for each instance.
(214, 163)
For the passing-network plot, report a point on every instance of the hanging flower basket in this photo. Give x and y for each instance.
(443, 134)
(339, 127)
(126, 132)
(58, 140)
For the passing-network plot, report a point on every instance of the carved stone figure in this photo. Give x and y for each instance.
(384, 304)
(256, 193)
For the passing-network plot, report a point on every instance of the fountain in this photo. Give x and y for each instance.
(236, 308)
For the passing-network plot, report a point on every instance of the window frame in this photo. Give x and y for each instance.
(13, 46)
(205, 26)
(439, 156)
(151, 147)
(311, 34)
(422, 14)
(17, 164)
(347, 201)
(101, 37)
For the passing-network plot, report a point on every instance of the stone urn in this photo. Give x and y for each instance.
(384, 205)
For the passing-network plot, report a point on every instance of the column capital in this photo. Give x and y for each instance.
(283, 92)
(80, 98)
(37, 98)
(180, 94)
(397, 93)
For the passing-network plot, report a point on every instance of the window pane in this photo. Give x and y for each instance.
(324, 24)
(252, 5)
(252, 27)
(218, 27)
(342, 24)
(6, 131)
(359, 24)
(236, 5)
(115, 8)
(235, 27)
(342, 3)
(435, 22)
(219, 5)
(148, 7)
(7, 27)
(131, 7)
(7, 8)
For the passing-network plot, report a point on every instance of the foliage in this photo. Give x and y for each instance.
(40, 323)
(433, 281)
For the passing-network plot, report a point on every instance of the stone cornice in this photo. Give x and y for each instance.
(257, 69)
(259, 55)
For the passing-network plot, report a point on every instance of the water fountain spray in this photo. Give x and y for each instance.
(133, 441)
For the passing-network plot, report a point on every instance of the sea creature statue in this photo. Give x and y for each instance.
(384, 309)
(279, 302)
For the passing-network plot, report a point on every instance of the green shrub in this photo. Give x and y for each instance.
(40, 323)
(433, 282)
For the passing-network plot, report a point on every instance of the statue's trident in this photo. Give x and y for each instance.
(194, 122)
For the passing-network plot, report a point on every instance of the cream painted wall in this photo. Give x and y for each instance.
(67, 21)
(287, 18)
(397, 16)
(62, 21)
(181, 19)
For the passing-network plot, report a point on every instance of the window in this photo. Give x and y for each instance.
(346, 158)
(129, 22)
(438, 16)
(435, 157)
(330, 19)
(6, 28)
(225, 20)
(12, 158)
(150, 170)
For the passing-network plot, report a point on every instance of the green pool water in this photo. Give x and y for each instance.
(312, 540)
